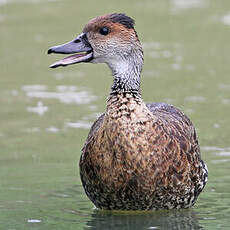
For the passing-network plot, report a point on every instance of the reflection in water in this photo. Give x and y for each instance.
(65, 94)
(82, 97)
(185, 4)
(214, 148)
(81, 213)
(2, 17)
(79, 124)
(40, 109)
(33, 221)
(3, 2)
(183, 219)
(225, 86)
(163, 50)
(52, 129)
(172, 51)
(199, 99)
(225, 101)
(85, 123)
(33, 130)
(69, 74)
(224, 154)
(226, 19)
(28, 88)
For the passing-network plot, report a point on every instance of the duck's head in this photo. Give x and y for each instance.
(109, 39)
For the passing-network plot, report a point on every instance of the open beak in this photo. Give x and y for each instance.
(79, 47)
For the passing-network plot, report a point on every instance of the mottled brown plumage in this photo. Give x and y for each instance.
(141, 157)
(136, 156)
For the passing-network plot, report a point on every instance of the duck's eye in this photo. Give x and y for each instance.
(104, 30)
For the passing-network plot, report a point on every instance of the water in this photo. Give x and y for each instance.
(46, 114)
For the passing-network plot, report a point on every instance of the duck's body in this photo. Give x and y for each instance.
(136, 156)
(142, 157)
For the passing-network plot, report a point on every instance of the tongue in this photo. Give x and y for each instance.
(76, 58)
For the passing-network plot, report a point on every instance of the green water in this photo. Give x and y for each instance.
(45, 114)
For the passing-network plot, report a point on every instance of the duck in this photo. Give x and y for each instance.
(137, 156)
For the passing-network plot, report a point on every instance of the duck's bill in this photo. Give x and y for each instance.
(79, 47)
(73, 59)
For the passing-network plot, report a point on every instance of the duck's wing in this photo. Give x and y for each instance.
(178, 129)
(169, 110)
(96, 125)
(181, 130)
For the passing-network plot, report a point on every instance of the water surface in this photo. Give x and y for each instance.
(46, 114)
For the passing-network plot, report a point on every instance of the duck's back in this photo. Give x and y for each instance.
(141, 156)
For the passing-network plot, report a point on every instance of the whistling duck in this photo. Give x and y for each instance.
(137, 156)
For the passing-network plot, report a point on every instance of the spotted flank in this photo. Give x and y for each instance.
(137, 156)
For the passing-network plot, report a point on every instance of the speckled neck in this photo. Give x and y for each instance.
(127, 71)
(127, 108)
(123, 100)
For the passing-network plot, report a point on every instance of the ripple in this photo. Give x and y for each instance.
(190, 67)
(61, 195)
(16, 189)
(23, 201)
(65, 94)
(176, 66)
(33, 221)
(220, 161)
(160, 54)
(40, 109)
(144, 220)
(224, 154)
(79, 124)
(225, 101)
(216, 125)
(29, 88)
(189, 111)
(85, 123)
(67, 97)
(171, 51)
(4, 2)
(69, 74)
(226, 19)
(224, 86)
(52, 129)
(66, 88)
(187, 4)
(14, 92)
(153, 45)
(211, 148)
(218, 151)
(151, 73)
(166, 53)
(33, 130)
(2, 17)
(195, 99)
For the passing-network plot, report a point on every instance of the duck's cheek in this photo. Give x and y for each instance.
(95, 61)
(98, 58)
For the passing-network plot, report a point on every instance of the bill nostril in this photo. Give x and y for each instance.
(77, 40)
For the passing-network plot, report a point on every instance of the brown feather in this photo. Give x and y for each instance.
(141, 157)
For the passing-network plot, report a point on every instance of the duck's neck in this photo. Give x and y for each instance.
(126, 73)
